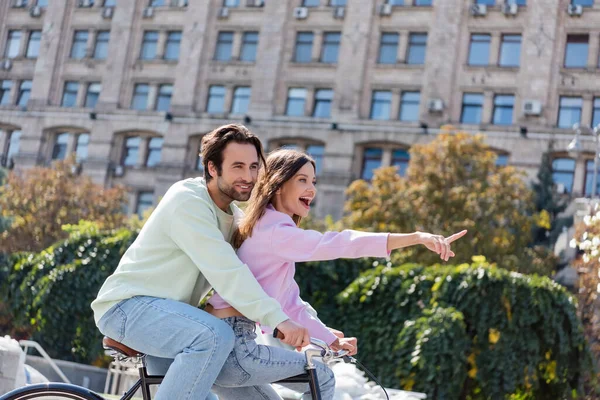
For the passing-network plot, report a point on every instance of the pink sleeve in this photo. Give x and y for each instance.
(316, 328)
(296, 244)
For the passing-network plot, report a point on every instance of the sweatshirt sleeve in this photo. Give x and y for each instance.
(194, 229)
(316, 328)
(296, 244)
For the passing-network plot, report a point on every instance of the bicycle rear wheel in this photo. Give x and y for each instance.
(51, 391)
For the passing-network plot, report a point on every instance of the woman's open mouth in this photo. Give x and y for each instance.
(305, 202)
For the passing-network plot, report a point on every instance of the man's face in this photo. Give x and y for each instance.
(239, 171)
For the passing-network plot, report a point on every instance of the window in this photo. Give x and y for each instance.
(154, 151)
(388, 48)
(199, 164)
(216, 100)
(110, 3)
(400, 159)
(157, 3)
(24, 92)
(163, 101)
(145, 200)
(172, 46)
(337, 3)
(69, 98)
(101, 47)
(249, 46)
(501, 160)
(372, 158)
(563, 170)
(380, 104)
(323, 99)
(33, 47)
(395, 2)
(14, 142)
(81, 147)
(596, 113)
(423, 3)
(5, 87)
(132, 150)
(584, 3)
(569, 111)
(241, 100)
(471, 108)
(59, 152)
(409, 106)
(140, 97)
(224, 46)
(510, 51)
(295, 102)
(92, 95)
(479, 50)
(486, 2)
(576, 53)
(231, 3)
(311, 3)
(13, 44)
(78, 48)
(304, 43)
(44, 3)
(416, 48)
(589, 178)
(503, 109)
(149, 45)
(331, 46)
(316, 151)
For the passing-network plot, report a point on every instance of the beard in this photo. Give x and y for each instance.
(231, 192)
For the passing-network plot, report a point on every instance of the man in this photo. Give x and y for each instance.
(150, 302)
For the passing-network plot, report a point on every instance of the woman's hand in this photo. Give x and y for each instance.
(440, 244)
(349, 344)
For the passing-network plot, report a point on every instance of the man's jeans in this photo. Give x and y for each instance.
(195, 342)
(251, 367)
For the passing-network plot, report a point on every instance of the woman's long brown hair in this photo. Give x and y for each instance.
(281, 166)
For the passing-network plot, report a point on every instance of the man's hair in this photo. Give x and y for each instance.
(214, 143)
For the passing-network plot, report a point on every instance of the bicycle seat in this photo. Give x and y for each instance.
(111, 344)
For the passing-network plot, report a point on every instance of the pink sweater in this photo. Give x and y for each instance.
(276, 243)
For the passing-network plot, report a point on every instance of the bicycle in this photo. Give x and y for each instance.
(121, 352)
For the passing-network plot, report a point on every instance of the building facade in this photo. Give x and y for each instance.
(130, 86)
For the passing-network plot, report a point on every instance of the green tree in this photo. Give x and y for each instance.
(39, 201)
(452, 183)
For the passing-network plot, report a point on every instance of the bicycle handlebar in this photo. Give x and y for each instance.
(327, 352)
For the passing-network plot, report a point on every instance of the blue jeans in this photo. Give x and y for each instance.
(194, 343)
(250, 368)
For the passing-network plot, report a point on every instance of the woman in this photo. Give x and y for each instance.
(269, 241)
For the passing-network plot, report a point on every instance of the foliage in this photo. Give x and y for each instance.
(51, 291)
(520, 334)
(452, 184)
(41, 200)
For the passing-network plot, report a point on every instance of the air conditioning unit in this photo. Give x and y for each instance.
(255, 3)
(478, 10)
(35, 12)
(6, 64)
(510, 8)
(339, 12)
(300, 12)
(107, 12)
(118, 171)
(385, 9)
(19, 3)
(223, 12)
(532, 107)
(85, 3)
(148, 12)
(575, 10)
(435, 105)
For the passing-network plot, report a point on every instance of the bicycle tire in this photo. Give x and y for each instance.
(50, 391)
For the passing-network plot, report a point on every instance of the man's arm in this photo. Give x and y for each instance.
(194, 229)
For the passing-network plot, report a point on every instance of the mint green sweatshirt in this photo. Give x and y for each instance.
(181, 252)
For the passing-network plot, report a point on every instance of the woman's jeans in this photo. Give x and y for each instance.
(194, 343)
(250, 368)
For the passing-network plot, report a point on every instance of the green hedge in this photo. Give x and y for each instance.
(52, 291)
(491, 333)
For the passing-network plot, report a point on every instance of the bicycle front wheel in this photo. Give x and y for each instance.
(51, 391)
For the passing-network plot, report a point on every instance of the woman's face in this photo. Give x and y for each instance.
(298, 192)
